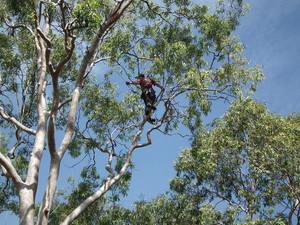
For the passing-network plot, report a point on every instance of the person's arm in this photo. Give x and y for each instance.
(158, 85)
(132, 82)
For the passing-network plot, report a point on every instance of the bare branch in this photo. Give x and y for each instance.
(108, 166)
(173, 134)
(93, 63)
(226, 199)
(16, 122)
(60, 105)
(138, 57)
(19, 26)
(47, 40)
(9, 171)
(11, 153)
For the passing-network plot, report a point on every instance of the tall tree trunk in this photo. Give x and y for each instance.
(26, 211)
(43, 215)
(27, 192)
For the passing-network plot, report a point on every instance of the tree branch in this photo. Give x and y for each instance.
(137, 57)
(19, 26)
(16, 122)
(226, 199)
(9, 171)
(67, 100)
(44, 37)
(154, 11)
(11, 153)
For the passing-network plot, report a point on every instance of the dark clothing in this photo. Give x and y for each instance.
(149, 97)
(148, 93)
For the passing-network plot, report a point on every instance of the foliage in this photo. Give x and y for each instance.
(242, 170)
(178, 209)
(62, 70)
(249, 160)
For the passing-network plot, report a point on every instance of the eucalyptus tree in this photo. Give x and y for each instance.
(178, 209)
(249, 161)
(63, 64)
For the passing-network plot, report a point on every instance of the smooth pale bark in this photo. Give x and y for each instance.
(27, 192)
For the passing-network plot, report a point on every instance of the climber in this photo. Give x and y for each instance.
(148, 93)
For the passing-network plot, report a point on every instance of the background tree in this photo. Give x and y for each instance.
(51, 100)
(250, 161)
(178, 209)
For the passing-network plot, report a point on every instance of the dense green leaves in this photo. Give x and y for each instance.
(249, 160)
(90, 14)
(20, 8)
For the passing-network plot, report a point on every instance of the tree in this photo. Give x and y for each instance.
(52, 100)
(248, 160)
(178, 209)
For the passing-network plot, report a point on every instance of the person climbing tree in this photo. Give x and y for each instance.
(148, 93)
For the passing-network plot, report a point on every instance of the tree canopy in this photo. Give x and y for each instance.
(250, 161)
(63, 65)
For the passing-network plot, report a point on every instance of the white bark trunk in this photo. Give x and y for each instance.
(26, 211)
(43, 215)
(27, 191)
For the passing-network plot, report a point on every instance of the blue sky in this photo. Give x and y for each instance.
(271, 34)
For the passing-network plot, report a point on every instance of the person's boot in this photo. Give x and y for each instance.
(151, 120)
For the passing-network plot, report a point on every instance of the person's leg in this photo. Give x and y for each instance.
(147, 102)
(152, 97)
(143, 96)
